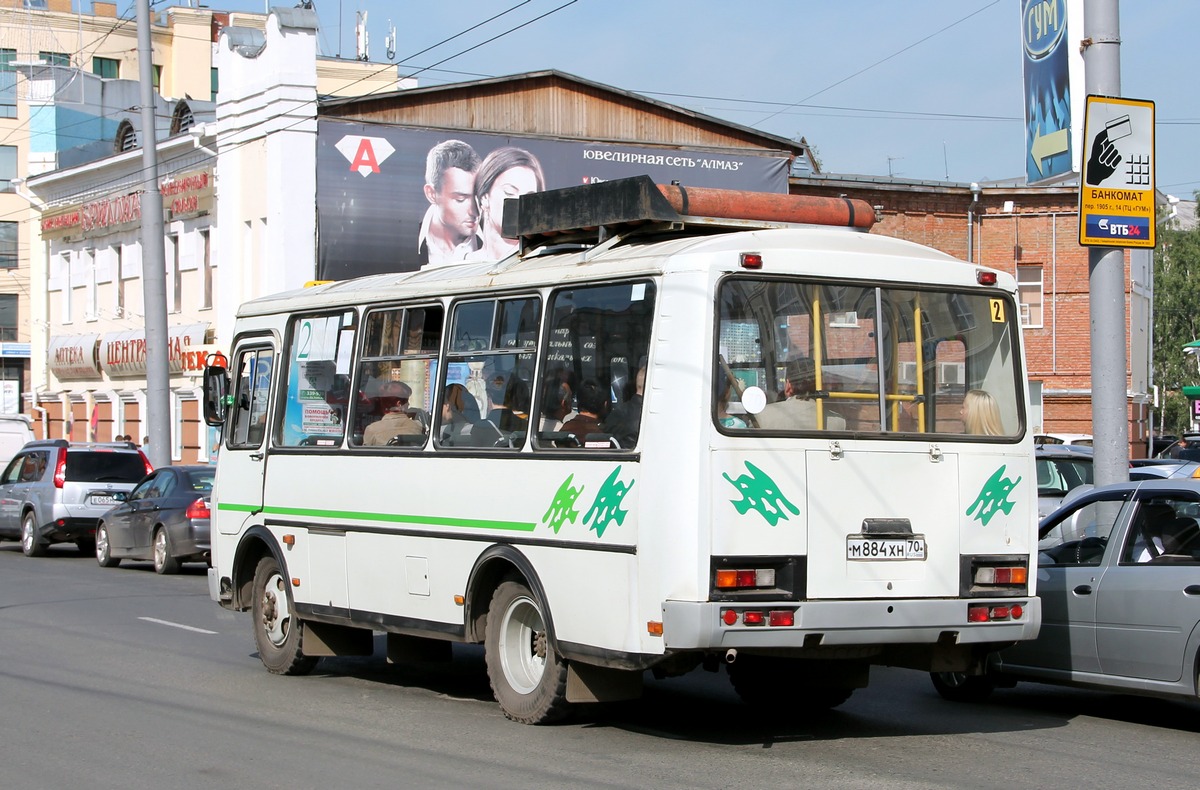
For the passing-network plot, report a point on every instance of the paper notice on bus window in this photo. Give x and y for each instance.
(638, 292)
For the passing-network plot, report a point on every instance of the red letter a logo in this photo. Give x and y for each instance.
(365, 157)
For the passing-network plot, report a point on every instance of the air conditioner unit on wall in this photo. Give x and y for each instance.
(952, 373)
(906, 373)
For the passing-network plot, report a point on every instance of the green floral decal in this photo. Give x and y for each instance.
(993, 497)
(562, 509)
(607, 506)
(605, 509)
(759, 492)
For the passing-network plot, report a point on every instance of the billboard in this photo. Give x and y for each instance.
(1053, 71)
(376, 212)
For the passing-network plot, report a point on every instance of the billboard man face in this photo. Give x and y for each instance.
(455, 203)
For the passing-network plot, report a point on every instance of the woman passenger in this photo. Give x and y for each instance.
(459, 413)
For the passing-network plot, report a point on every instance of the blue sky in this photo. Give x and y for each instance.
(924, 89)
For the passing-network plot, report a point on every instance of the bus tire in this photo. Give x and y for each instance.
(277, 629)
(528, 678)
(960, 687)
(779, 684)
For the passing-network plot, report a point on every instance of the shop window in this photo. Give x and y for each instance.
(1031, 294)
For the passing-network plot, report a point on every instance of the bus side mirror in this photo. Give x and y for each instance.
(216, 387)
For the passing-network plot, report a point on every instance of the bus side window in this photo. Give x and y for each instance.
(249, 415)
(394, 389)
(488, 390)
(598, 340)
(316, 400)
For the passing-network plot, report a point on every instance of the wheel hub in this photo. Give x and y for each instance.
(274, 621)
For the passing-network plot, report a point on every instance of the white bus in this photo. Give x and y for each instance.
(650, 440)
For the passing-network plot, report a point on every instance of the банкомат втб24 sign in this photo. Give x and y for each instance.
(1116, 185)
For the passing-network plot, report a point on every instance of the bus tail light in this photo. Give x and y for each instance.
(994, 612)
(1003, 576)
(745, 578)
(774, 618)
(985, 576)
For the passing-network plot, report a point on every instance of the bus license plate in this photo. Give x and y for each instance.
(861, 548)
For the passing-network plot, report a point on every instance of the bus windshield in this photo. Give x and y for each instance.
(815, 356)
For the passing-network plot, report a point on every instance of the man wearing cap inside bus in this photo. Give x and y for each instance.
(797, 411)
(393, 398)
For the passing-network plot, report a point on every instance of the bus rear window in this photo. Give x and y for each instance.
(797, 356)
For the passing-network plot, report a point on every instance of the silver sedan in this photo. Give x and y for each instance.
(1119, 581)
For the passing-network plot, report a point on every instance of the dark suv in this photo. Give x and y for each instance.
(55, 492)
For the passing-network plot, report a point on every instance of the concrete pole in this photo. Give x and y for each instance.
(154, 277)
(1106, 271)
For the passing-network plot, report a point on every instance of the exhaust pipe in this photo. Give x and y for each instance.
(730, 655)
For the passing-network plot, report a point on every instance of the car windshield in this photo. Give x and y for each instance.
(105, 467)
(1057, 476)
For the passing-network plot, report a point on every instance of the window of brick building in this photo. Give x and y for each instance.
(1031, 293)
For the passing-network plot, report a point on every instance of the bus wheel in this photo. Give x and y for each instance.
(277, 630)
(780, 684)
(528, 679)
(959, 687)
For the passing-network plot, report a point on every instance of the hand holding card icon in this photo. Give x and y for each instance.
(1105, 156)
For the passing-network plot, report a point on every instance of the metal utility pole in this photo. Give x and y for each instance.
(154, 276)
(1106, 270)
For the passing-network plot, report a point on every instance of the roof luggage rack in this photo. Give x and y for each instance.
(594, 213)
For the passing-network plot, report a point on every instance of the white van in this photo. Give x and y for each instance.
(15, 431)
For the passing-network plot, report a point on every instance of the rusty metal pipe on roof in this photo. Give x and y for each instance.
(768, 207)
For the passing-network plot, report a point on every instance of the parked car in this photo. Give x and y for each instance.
(165, 518)
(55, 492)
(1119, 583)
(1186, 448)
(16, 430)
(1060, 468)
(1151, 468)
(1080, 439)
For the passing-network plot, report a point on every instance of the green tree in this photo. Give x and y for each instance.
(1176, 322)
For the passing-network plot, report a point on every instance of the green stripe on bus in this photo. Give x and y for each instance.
(394, 518)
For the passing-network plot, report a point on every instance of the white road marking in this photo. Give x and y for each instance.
(177, 625)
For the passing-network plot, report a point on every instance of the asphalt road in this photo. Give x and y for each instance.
(124, 679)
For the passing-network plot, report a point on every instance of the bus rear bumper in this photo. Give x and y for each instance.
(690, 625)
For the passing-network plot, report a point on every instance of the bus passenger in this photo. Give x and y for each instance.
(556, 404)
(798, 409)
(625, 422)
(590, 400)
(511, 414)
(981, 414)
(396, 421)
(459, 413)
